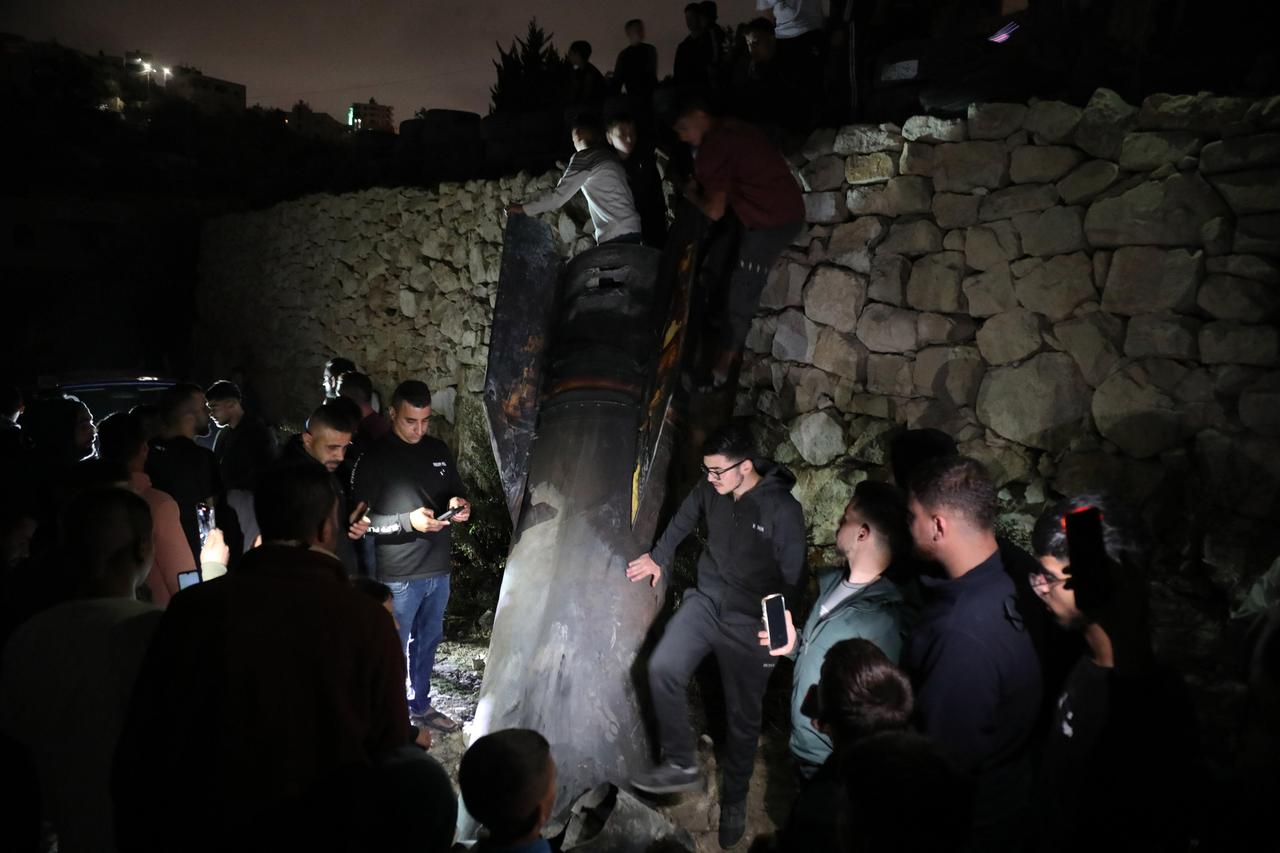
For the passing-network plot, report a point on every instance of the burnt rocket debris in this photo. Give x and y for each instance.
(583, 364)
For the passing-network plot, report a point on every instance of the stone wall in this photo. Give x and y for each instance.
(1085, 297)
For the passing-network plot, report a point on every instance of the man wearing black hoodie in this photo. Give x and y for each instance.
(971, 655)
(755, 548)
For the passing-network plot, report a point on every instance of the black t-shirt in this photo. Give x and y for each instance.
(1121, 762)
(395, 478)
(189, 474)
(243, 452)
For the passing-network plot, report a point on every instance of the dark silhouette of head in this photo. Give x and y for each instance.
(122, 438)
(911, 448)
(579, 53)
(861, 693)
(333, 368)
(105, 536)
(297, 504)
(508, 782)
(357, 387)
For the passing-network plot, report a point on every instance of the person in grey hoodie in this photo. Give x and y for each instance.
(596, 170)
(755, 548)
(855, 601)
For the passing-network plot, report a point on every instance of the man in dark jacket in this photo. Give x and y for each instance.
(179, 466)
(408, 480)
(856, 600)
(245, 445)
(971, 656)
(641, 166)
(264, 693)
(324, 442)
(755, 548)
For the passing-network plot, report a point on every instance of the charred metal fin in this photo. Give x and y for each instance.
(527, 293)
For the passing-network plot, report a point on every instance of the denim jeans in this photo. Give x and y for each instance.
(419, 605)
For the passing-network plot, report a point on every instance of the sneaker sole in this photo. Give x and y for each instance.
(678, 788)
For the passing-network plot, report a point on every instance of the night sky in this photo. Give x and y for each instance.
(408, 54)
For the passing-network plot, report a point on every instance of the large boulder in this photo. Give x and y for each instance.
(1052, 121)
(1162, 336)
(1093, 340)
(1256, 191)
(1103, 124)
(873, 168)
(1245, 266)
(866, 138)
(1229, 297)
(1135, 415)
(1240, 153)
(1054, 286)
(1170, 212)
(907, 194)
(825, 208)
(992, 245)
(1010, 336)
(818, 437)
(916, 159)
(1257, 235)
(1023, 198)
(953, 210)
(952, 374)
(1043, 402)
(1055, 231)
(883, 328)
(822, 174)
(995, 121)
(1201, 113)
(889, 275)
(933, 129)
(785, 286)
(795, 338)
(990, 292)
(935, 283)
(851, 242)
(1088, 181)
(1259, 405)
(964, 166)
(1143, 279)
(944, 328)
(823, 493)
(834, 297)
(1225, 342)
(889, 374)
(1149, 150)
(1042, 164)
(839, 354)
(912, 238)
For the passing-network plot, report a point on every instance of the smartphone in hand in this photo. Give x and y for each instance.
(186, 579)
(449, 514)
(1089, 568)
(205, 520)
(775, 620)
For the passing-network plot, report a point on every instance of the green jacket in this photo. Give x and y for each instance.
(877, 613)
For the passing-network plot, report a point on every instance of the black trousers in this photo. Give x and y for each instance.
(757, 250)
(694, 632)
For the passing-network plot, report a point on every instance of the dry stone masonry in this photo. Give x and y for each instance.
(1084, 296)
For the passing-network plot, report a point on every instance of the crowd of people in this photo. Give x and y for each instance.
(255, 677)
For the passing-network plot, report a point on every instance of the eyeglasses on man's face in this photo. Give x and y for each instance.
(717, 473)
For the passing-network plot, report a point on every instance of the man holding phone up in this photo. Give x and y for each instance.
(755, 548)
(411, 487)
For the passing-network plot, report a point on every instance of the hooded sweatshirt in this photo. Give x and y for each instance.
(755, 544)
(603, 181)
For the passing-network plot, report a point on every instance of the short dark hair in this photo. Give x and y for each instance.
(502, 777)
(338, 365)
(710, 9)
(587, 125)
(292, 502)
(582, 48)
(377, 590)
(335, 417)
(175, 398)
(763, 26)
(861, 692)
(148, 414)
(412, 391)
(884, 506)
(10, 400)
(120, 435)
(692, 103)
(634, 22)
(1122, 535)
(958, 483)
(617, 119)
(877, 769)
(98, 526)
(733, 440)
(913, 447)
(693, 7)
(223, 389)
(357, 386)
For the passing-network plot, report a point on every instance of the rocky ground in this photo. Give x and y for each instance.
(455, 689)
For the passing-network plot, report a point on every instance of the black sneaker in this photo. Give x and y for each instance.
(733, 823)
(667, 778)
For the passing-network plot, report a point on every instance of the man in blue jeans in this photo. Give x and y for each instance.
(409, 482)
